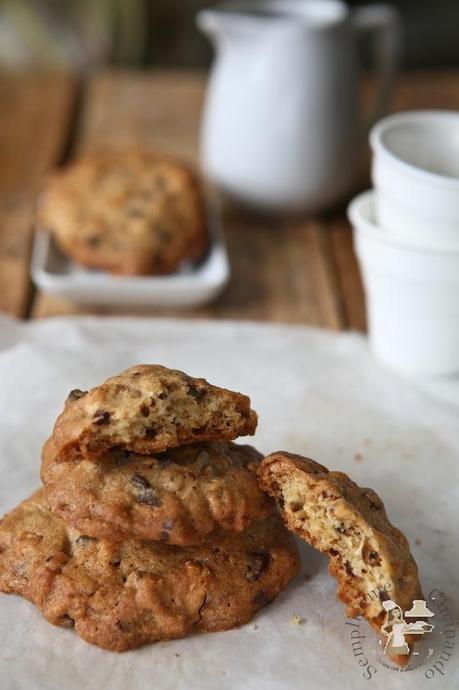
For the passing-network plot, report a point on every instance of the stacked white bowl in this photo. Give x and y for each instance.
(406, 235)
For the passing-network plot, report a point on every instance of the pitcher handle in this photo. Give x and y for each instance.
(383, 22)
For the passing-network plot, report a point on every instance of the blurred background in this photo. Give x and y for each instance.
(84, 34)
(58, 103)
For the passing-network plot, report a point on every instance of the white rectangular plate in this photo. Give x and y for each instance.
(193, 284)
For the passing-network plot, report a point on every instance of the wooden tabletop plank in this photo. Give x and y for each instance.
(159, 110)
(279, 271)
(285, 270)
(347, 274)
(35, 113)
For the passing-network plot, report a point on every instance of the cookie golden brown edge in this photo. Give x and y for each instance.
(128, 212)
(178, 496)
(121, 595)
(369, 557)
(147, 409)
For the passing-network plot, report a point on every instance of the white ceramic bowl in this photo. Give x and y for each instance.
(416, 176)
(412, 297)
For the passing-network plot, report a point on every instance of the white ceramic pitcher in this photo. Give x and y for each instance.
(281, 126)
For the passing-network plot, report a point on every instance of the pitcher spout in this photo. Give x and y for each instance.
(221, 22)
(209, 21)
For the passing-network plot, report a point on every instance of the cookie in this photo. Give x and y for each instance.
(178, 496)
(369, 557)
(127, 212)
(120, 595)
(147, 409)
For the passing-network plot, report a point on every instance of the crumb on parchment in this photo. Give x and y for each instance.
(296, 620)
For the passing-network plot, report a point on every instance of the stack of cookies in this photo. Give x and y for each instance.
(126, 212)
(151, 523)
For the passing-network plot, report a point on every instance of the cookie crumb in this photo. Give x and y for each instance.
(254, 626)
(296, 620)
(358, 457)
(177, 655)
(418, 542)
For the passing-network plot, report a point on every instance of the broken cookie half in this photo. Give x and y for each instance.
(369, 557)
(148, 409)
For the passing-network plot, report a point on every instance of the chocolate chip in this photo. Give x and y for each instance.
(101, 417)
(140, 482)
(144, 491)
(144, 410)
(150, 432)
(261, 599)
(135, 213)
(149, 498)
(341, 529)
(166, 528)
(93, 241)
(348, 569)
(84, 539)
(196, 392)
(257, 564)
(76, 394)
(163, 235)
(163, 395)
(116, 563)
(66, 621)
(370, 556)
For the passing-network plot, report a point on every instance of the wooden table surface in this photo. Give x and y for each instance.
(284, 269)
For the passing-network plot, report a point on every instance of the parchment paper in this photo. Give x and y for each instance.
(317, 393)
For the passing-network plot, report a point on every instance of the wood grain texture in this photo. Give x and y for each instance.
(279, 270)
(35, 112)
(292, 270)
(158, 110)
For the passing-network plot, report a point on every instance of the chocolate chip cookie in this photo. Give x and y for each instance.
(178, 496)
(369, 557)
(120, 595)
(128, 212)
(147, 409)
